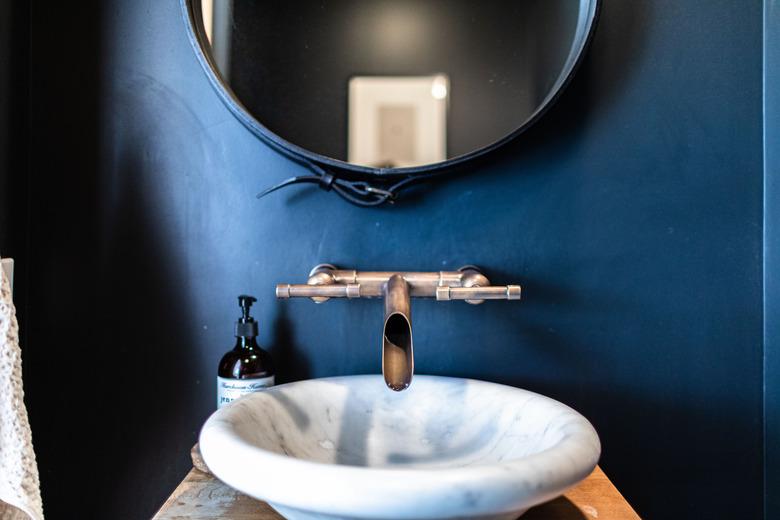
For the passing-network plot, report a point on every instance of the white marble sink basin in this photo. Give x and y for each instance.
(350, 448)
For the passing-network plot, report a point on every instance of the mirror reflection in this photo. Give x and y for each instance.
(391, 83)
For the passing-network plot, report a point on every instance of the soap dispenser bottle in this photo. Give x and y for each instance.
(247, 368)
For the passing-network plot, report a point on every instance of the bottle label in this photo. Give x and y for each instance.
(231, 389)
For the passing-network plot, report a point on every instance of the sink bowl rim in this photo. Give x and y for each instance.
(341, 489)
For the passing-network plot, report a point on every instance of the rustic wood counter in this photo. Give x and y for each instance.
(201, 496)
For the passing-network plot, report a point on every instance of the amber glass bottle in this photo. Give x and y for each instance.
(247, 368)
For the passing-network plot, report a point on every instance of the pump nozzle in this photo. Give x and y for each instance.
(245, 302)
(246, 325)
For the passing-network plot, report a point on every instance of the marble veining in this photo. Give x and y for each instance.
(349, 448)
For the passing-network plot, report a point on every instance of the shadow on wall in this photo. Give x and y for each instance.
(149, 358)
(156, 201)
(125, 410)
(291, 362)
(114, 401)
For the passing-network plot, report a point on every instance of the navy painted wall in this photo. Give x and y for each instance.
(14, 49)
(772, 254)
(632, 215)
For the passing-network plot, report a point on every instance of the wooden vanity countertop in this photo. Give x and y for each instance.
(202, 496)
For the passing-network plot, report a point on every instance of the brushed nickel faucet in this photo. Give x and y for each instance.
(397, 288)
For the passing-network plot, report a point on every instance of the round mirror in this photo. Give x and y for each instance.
(389, 86)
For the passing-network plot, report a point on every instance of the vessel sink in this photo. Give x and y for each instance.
(350, 448)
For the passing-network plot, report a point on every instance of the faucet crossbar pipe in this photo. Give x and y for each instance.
(442, 293)
(467, 284)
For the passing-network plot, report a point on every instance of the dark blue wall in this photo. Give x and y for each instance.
(14, 49)
(632, 215)
(772, 254)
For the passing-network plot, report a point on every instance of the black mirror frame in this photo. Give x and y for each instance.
(363, 185)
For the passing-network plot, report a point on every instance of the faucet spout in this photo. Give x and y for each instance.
(397, 348)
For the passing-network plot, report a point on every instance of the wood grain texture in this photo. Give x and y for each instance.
(197, 459)
(9, 512)
(594, 497)
(202, 496)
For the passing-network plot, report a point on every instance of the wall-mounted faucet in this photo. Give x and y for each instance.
(397, 288)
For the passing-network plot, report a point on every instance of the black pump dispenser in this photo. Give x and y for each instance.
(247, 368)
(246, 326)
